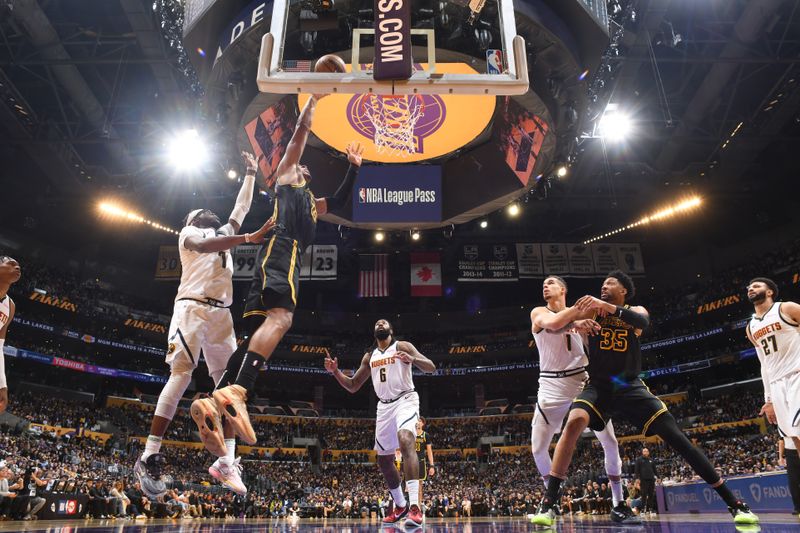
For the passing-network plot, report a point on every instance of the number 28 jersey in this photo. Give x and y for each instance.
(391, 377)
(777, 341)
(615, 354)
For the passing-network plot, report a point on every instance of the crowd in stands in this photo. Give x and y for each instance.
(283, 483)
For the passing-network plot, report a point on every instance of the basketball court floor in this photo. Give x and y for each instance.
(709, 523)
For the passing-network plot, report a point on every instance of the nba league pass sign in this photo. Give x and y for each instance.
(407, 193)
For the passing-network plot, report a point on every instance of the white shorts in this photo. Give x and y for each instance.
(554, 399)
(786, 401)
(392, 417)
(198, 329)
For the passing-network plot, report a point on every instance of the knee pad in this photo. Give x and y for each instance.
(172, 393)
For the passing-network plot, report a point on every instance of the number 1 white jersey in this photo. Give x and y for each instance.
(205, 275)
(391, 377)
(777, 341)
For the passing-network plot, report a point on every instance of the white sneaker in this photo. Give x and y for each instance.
(229, 474)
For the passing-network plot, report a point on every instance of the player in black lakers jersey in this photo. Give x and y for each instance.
(615, 389)
(273, 296)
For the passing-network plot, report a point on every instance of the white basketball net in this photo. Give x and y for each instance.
(394, 120)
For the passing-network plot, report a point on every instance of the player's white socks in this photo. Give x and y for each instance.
(397, 496)
(230, 448)
(412, 485)
(153, 445)
(616, 491)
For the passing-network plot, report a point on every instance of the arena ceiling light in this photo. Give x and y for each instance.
(562, 171)
(484, 224)
(232, 174)
(116, 211)
(379, 236)
(187, 151)
(415, 235)
(513, 210)
(615, 125)
(688, 204)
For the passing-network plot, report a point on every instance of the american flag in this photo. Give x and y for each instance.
(291, 65)
(373, 278)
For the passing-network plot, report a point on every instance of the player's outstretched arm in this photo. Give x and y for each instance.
(221, 243)
(350, 384)
(3, 332)
(244, 198)
(636, 316)
(791, 310)
(297, 144)
(543, 318)
(339, 199)
(407, 353)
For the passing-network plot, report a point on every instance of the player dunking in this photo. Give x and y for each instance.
(775, 332)
(275, 297)
(10, 272)
(201, 325)
(389, 364)
(614, 389)
(562, 373)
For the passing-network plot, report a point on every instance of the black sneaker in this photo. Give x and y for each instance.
(149, 475)
(622, 514)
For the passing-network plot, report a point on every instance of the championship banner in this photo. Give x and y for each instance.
(244, 261)
(605, 258)
(168, 266)
(555, 259)
(529, 260)
(630, 258)
(320, 262)
(426, 274)
(392, 40)
(580, 259)
(488, 262)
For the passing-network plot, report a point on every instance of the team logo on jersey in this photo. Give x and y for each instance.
(171, 348)
(500, 252)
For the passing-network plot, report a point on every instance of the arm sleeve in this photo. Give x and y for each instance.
(339, 198)
(637, 320)
(243, 200)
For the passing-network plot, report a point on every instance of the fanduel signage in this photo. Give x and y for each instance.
(764, 492)
(408, 193)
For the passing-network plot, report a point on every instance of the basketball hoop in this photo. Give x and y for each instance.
(394, 118)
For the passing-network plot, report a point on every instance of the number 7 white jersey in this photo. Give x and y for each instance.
(205, 275)
(777, 341)
(391, 377)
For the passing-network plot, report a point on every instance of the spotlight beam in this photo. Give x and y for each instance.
(113, 210)
(659, 216)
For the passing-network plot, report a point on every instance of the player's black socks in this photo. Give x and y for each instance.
(553, 486)
(248, 372)
(726, 495)
(234, 364)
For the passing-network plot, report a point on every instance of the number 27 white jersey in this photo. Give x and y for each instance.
(777, 341)
(391, 377)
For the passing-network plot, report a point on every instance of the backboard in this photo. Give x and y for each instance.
(478, 35)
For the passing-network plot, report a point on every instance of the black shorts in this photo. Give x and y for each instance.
(634, 403)
(423, 469)
(277, 279)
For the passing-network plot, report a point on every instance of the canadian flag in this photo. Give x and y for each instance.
(426, 274)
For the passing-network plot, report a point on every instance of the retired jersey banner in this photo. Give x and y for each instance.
(426, 274)
(556, 261)
(245, 257)
(529, 260)
(580, 259)
(319, 262)
(168, 265)
(488, 262)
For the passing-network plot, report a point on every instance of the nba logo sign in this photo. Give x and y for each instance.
(494, 61)
(362, 195)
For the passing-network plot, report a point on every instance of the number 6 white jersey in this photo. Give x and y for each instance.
(391, 377)
(205, 275)
(777, 341)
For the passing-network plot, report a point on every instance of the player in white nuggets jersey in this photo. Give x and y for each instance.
(10, 273)
(389, 364)
(201, 326)
(562, 373)
(775, 332)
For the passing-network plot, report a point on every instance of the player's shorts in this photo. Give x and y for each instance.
(198, 329)
(277, 279)
(634, 403)
(554, 400)
(786, 402)
(391, 418)
(423, 469)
